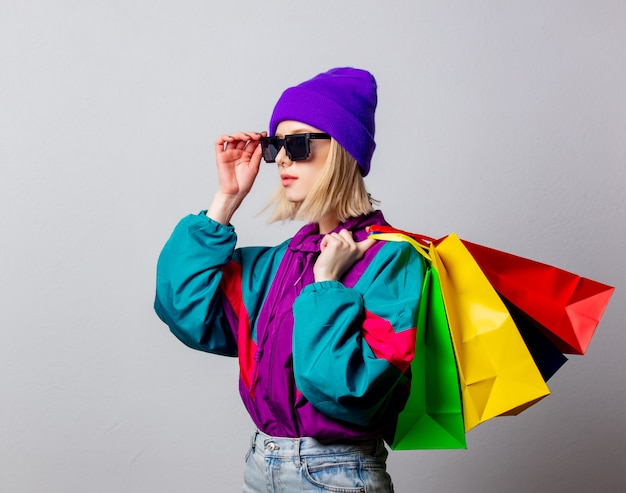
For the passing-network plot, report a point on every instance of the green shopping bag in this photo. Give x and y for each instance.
(433, 416)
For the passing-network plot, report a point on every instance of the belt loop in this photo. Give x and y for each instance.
(253, 443)
(296, 450)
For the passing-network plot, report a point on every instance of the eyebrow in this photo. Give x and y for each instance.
(296, 131)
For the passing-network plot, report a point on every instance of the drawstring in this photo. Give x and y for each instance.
(309, 262)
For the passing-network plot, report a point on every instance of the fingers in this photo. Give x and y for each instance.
(365, 245)
(338, 253)
(239, 141)
(344, 241)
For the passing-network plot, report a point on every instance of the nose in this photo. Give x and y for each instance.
(282, 159)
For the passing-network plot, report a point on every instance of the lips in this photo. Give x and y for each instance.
(287, 180)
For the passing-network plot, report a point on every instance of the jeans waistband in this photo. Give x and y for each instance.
(303, 446)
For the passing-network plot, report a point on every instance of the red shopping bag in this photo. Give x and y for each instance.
(565, 306)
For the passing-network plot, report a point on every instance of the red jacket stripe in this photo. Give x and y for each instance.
(396, 347)
(231, 287)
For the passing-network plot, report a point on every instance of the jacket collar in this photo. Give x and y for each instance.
(308, 238)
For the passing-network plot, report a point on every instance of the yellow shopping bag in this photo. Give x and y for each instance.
(497, 372)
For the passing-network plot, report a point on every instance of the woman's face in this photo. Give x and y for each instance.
(298, 177)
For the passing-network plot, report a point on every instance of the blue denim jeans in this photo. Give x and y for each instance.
(289, 465)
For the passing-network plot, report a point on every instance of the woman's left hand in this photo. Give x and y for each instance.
(339, 252)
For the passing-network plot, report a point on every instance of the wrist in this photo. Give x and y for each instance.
(223, 206)
(322, 275)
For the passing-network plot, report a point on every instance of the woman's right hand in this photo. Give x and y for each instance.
(238, 157)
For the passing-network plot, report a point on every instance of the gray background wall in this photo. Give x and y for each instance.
(502, 121)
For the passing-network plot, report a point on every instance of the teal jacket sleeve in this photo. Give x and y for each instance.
(208, 292)
(189, 273)
(352, 347)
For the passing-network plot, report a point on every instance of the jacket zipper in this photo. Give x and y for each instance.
(266, 333)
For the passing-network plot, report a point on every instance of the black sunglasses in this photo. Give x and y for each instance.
(297, 146)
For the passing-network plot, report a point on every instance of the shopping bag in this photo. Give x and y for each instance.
(432, 417)
(497, 372)
(565, 306)
(554, 311)
(547, 356)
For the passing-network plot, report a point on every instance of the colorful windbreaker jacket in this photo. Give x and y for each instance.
(327, 359)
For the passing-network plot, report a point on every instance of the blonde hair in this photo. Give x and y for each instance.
(340, 189)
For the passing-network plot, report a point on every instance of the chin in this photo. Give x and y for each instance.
(294, 199)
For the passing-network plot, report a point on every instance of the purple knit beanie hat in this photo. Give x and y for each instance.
(340, 102)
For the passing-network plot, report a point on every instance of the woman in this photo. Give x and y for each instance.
(324, 323)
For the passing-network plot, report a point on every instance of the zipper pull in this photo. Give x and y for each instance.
(255, 374)
(258, 354)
